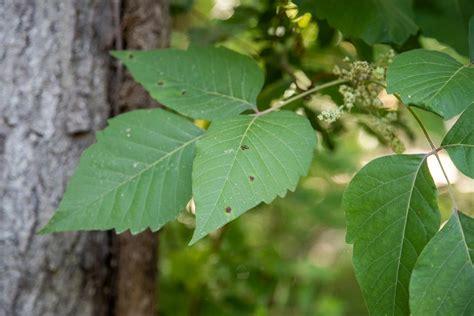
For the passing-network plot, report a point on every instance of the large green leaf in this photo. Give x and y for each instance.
(459, 142)
(245, 160)
(204, 83)
(445, 20)
(392, 213)
(442, 282)
(137, 175)
(374, 21)
(433, 81)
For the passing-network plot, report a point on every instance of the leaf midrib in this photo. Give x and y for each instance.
(226, 178)
(412, 189)
(187, 83)
(446, 83)
(150, 166)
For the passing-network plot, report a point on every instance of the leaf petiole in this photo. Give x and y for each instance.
(435, 152)
(302, 95)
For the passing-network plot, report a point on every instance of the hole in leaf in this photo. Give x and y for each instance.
(228, 209)
(244, 147)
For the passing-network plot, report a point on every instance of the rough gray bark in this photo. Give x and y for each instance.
(53, 96)
(144, 25)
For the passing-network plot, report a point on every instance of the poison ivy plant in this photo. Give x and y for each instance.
(200, 83)
(246, 160)
(137, 175)
(374, 21)
(443, 279)
(147, 165)
(459, 142)
(433, 81)
(392, 213)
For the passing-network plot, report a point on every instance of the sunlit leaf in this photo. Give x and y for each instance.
(204, 83)
(459, 142)
(433, 81)
(137, 175)
(392, 213)
(246, 160)
(442, 281)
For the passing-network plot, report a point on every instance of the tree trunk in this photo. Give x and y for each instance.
(53, 96)
(144, 25)
(54, 93)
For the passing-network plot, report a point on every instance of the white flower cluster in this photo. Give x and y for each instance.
(330, 116)
(365, 81)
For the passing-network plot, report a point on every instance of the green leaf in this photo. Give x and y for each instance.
(471, 39)
(442, 282)
(445, 20)
(245, 160)
(433, 81)
(137, 175)
(374, 21)
(392, 213)
(203, 83)
(459, 142)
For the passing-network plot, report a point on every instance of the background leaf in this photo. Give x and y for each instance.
(374, 21)
(442, 282)
(471, 39)
(445, 20)
(392, 212)
(459, 142)
(137, 175)
(203, 83)
(245, 160)
(433, 81)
